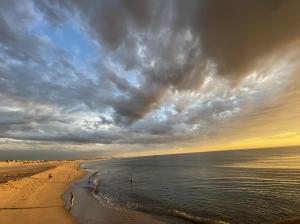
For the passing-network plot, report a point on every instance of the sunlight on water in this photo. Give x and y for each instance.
(277, 162)
(253, 186)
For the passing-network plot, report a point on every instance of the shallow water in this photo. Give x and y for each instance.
(253, 186)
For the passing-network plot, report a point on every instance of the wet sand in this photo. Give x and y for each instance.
(36, 199)
(295, 221)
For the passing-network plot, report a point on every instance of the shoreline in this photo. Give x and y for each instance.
(97, 213)
(36, 199)
(100, 214)
(112, 215)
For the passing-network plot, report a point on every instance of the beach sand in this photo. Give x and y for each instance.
(28, 198)
(16, 170)
(35, 199)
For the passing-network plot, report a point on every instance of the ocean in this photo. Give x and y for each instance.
(246, 186)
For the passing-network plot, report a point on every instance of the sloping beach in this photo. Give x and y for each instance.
(15, 170)
(27, 198)
(36, 199)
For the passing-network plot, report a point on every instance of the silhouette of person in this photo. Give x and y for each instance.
(72, 198)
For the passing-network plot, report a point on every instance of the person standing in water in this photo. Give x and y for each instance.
(72, 198)
(131, 183)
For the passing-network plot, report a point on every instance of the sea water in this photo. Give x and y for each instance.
(246, 186)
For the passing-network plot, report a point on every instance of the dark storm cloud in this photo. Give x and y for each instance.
(233, 35)
(149, 53)
(170, 60)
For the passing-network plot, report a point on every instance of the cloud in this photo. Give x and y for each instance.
(175, 45)
(160, 72)
(233, 34)
(237, 34)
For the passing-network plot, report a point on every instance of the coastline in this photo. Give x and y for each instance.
(88, 209)
(100, 214)
(36, 199)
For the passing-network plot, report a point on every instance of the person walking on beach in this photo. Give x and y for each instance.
(50, 176)
(69, 178)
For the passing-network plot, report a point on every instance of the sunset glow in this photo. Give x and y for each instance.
(155, 78)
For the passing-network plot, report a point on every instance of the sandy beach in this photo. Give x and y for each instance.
(35, 198)
(30, 197)
(16, 170)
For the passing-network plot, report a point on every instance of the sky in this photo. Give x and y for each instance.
(131, 77)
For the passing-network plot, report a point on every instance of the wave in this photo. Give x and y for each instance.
(194, 219)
